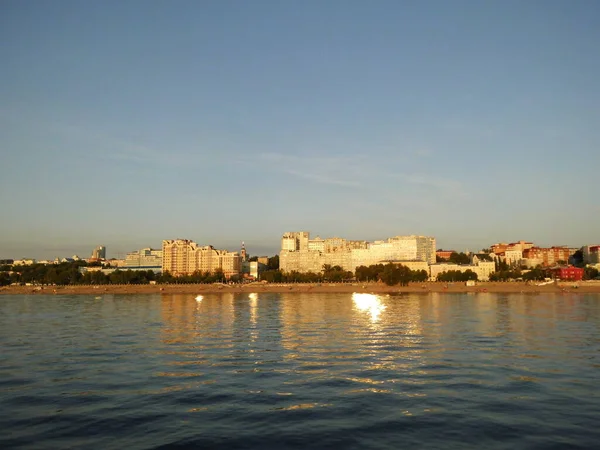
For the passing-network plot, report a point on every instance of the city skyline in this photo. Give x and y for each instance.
(474, 122)
(111, 253)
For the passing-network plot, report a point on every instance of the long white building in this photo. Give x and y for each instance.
(302, 254)
(146, 257)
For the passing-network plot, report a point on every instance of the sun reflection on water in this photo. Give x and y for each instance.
(253, 301)
(369, 303)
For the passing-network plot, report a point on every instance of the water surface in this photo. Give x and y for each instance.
(300, 371)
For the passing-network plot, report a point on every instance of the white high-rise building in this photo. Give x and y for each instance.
(99, 252)
(146, 257)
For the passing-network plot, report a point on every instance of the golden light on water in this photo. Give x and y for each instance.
(370, 304)
(253, 301)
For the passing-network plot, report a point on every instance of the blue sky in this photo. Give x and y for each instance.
(123, 123)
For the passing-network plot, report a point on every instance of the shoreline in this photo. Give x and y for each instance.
(257, 287)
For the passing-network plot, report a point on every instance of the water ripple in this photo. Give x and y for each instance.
(300, 371)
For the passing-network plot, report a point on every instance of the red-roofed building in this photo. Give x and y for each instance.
(567, 273)
(513, 246)
(444, 253)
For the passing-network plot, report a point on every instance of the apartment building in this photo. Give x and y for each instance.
(569, 273)
(146, 257)
(512, 256)
(183, 256)
(99, 253)
(295, 241)
(350, 254)
(502, 247)
(548, 256)
(24, 262)
(316, 245)
(483, 269)
(591, 254)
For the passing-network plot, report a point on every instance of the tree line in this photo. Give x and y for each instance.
(457, 275)
(391, 274)
(69, 273)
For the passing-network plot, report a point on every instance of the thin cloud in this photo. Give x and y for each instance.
(355, 171)
(118, 149)
(141, 154)
(322, 178)
(445, 186)
(423, 152)
(336, 170)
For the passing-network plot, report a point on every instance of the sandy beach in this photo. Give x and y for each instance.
(493, 287)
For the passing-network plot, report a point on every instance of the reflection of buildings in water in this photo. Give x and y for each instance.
(405, 316)
(440, 309)
(468, 313)
(405, 312)
(503, 321)
(391, 331)
(256, 327)
(503, 316)
(185, 319)
(177, 311)
(140, 307)
(231, 321)
(315, 322)
(450, 316)
(536, 317)
(245, 330)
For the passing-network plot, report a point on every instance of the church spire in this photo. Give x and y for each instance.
(243, 253)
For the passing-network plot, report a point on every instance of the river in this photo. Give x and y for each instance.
(278, 371)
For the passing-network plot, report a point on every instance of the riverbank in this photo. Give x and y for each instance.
(504, 288)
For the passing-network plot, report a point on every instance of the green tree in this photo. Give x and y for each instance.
(536, 274)
(4, 279)
(457, 275)
(502, 266)
(420, 276)
(577, 258)
(590, 273)
(391, 274)
(459, 258)
(335, 274)
(362, 273)
(469, 275)
(15, 277)
(272, 276)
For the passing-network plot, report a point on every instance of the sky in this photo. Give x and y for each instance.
(123, 123)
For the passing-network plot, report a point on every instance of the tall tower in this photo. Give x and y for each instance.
(243, 253)
(99, 252)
